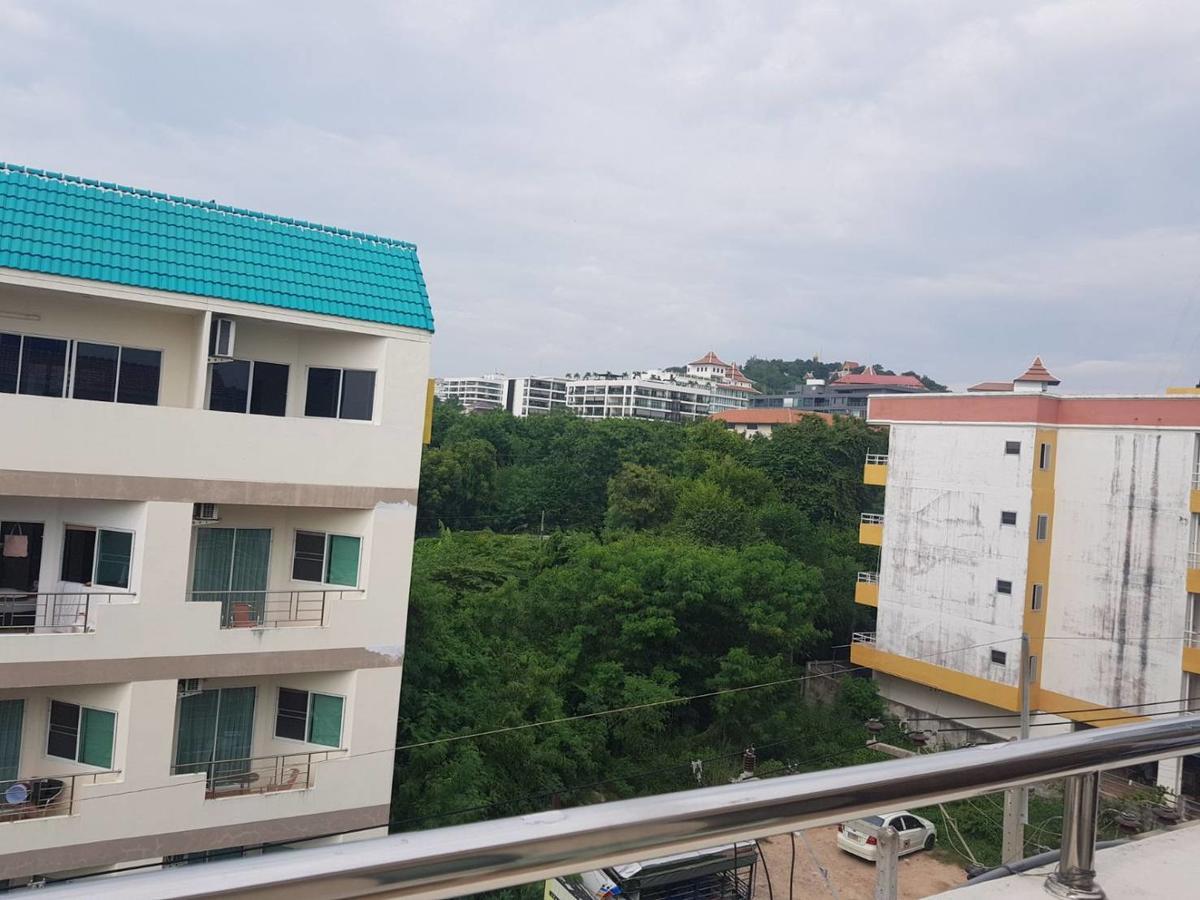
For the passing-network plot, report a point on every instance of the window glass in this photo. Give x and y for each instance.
(43, 367)
(1012, 447)
(113, 558)
(325, 724)
(324, 385)
(268, 395)
(342, 567)
(1043, 527)
(999, 657)
(1036, 603)
(79, 549)
(11, 714)
(63, 737)
(230, 388)
(95, 371)
(1008, 518)
(140, 373)
(1044, 456)
(291, 715)
(358, 394)
(96, 737)
(308, 562)
(10, 358)
(1004, 587)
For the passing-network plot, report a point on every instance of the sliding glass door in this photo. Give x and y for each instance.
(215, 733)
(232, 565)
(11, 713)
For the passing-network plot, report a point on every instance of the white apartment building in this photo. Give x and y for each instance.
(212, 423)
(475, 393)
(1073, 519)
(638, 397)
(535, 395)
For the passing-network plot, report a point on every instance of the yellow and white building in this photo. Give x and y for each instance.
(1011, 510)
(209, 454)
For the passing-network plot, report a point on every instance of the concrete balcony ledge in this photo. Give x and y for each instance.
(870, 529)
(866, 589)
(155, 452)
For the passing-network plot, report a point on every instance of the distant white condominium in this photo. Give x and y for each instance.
(475, 393)
(525, 396)
(638, 397)
(1072, 519)
(212, 424)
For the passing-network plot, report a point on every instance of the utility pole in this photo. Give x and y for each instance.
(542, 526)
(887, 863)
(1016, 800)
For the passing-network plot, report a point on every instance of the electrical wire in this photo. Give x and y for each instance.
(766, 870)
(792, 868)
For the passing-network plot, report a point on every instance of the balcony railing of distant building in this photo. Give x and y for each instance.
(868, 577)
(877, 459)
(273, 609)
(1194, 559)
(489, 855)
(55, 613)
(1196, 479)
(44, 796)
(1191, 638)
(871, 519)
(863, 637)
(258, 774)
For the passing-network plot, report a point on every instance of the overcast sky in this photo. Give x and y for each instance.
(946, 186)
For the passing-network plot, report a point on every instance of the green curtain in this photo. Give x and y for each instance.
(96, 737)
(235, 732)
(342, 565)
(325, 723)
(196, 732)
(213, 562)
(114, 554)
(251, 558)
(11, 714)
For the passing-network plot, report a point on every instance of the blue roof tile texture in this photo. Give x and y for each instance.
(82, 228)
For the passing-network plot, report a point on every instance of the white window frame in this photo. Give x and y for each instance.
(308, 716)
(1045, 454)
(341, 370)
(1031, 674)
(72, 350)
(96, 553)
(325, 559)
(1036, 598)
(46, 754)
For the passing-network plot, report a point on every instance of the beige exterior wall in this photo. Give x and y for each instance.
(140, 469)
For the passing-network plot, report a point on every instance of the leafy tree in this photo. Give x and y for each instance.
(710, 514)
(458, 483)
(639, 497)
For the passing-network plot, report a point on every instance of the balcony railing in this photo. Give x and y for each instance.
(863, 637)
(1191, 638)
(257, 774)
(1196, 479)
(868, 577)
(484, 856)
(37, 613)
(1194, 559)
(43, 797)
(871, 519)
(272, 609)
(877, 459)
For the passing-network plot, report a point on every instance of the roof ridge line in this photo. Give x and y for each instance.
(211, 205)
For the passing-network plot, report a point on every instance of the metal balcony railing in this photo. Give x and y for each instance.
(257, 774)
(1194, 559)
(877, 459)
(40, 613)
(1196, 479)
(868, 577)
(863, 637)
(871, 519)
(272, 609)
(1191, 638)
(467, 859)
(43, 796)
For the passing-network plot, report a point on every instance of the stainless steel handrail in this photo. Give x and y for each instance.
(465, 859)
(38, 612)
(871, 518)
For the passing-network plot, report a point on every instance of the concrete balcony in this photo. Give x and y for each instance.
(866, 589)
(75, 448)
(259, 774)
(870, 529)
(875, 469)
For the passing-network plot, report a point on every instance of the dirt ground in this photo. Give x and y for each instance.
(850, 878)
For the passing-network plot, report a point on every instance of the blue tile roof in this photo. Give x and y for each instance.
(82, 228)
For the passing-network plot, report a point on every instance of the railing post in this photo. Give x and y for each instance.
(887, 862)
(1076, 878)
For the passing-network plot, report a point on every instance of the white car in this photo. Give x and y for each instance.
(860, 836)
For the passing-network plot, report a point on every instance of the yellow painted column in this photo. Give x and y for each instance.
(1037, 580)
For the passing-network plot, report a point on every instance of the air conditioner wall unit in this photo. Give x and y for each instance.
(221, 338)
(190, 686)
(205, 512)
